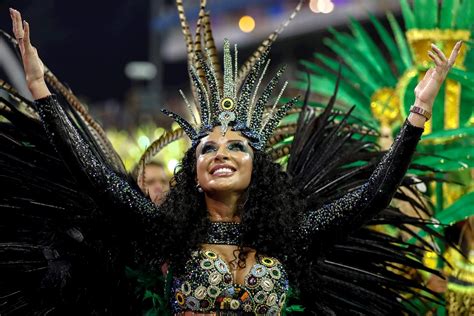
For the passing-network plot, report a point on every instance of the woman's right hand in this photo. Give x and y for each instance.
(32, 64)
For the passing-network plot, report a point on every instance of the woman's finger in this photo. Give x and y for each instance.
(26, 39)
(17, 25)
(14, 24)
(454, 53)
(435, 58)
(19, 22)
(439, 52)
(12, 16)
(21, 33)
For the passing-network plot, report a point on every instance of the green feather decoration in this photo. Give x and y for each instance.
(366, 70)
(356, 57)
(458, 211)
(401, 41)
(465, 78)
(455, 159)
(408, 15)
(373, 55)
(465, 15)
(346, 73)
(324, 85)
(449, 135)
(449, 10)
(352, 59)
(426, 13)
(390, 44)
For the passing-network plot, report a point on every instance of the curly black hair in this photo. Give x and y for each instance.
(270, 215)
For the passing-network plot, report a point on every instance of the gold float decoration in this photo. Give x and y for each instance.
(420, 43)
(452, 100)
(385, 106)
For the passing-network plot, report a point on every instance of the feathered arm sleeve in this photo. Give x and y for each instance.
(348, 212)
(85, 165)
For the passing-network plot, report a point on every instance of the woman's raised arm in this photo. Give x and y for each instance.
(73, 149)
(354, 208)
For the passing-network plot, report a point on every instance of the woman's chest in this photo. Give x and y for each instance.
(210, 283)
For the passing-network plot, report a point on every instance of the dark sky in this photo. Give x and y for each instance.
(86, 43)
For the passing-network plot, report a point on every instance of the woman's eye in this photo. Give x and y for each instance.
(237, 147)
(207, 149)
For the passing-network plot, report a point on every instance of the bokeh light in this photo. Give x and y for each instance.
(172, 165)
(313, 6)
(246, 24)
(321, 6)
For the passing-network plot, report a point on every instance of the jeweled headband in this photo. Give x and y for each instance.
(225, 102)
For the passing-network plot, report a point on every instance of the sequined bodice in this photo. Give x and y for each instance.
(207, 285)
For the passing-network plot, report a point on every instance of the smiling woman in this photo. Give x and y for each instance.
(224, 166)
(233, 222)
(235, 231)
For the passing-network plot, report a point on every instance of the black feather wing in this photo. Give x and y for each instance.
(60, 252)
(361, 270)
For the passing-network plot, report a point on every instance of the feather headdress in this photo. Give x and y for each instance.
(229, 104)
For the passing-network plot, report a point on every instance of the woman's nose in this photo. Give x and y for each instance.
(222, 153)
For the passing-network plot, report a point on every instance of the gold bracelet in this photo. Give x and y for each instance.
(421, 111)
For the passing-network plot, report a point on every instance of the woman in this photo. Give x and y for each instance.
(232, 230)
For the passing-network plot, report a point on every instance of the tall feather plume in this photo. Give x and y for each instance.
(202, 97)
(248, 87)
(198, 40)
(229, 83)
(188, 107)
(190, 45)
(255, 92)
(212, 84)
(259, 108)
(279, 152)
(245, 68)
(272, 123)
(188, 128)
(186, 32)
(154, 148)
(285, 130)
(22, 101)
(210, 89)
(212, 50)
(92, 125)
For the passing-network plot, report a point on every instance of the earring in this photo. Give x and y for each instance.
(198, 188)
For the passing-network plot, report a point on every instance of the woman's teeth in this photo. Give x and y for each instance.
(222, 171)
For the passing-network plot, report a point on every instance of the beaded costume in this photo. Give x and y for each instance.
(208, 286)
(70, 236)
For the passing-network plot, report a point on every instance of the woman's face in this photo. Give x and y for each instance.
(224, 162)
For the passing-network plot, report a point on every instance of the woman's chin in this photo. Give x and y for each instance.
(224, 187)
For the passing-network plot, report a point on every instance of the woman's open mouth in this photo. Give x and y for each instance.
(222, 171)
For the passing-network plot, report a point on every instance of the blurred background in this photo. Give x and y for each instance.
(126, 58)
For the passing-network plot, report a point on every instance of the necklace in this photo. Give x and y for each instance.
(224, 233)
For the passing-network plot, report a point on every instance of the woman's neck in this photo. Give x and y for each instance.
(223, 208)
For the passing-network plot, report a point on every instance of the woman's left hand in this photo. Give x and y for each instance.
(428, 88)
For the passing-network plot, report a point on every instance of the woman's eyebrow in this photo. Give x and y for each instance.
(228, 141)
(208, 142)
(236, 140)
